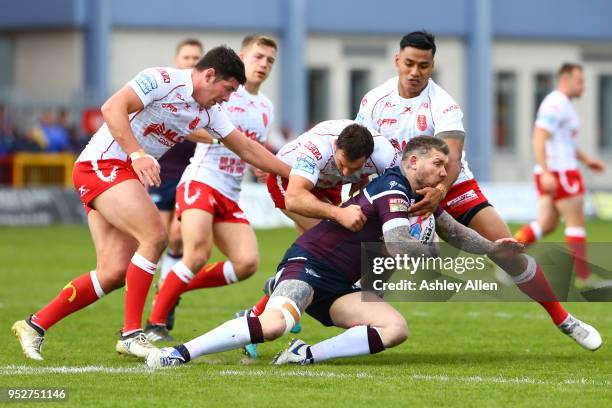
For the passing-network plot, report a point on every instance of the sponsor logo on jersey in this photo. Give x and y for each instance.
(463, 198)
(389, 105)
(170, 107)
(386, 121)
(194, 123)
(305, 164)
(311, 146)
(421, 122)
(146, 82)
(236, 109)
(425, 105)
(450, 109)
(393, 184)
(165, 75)
(159, 129)
(364, 101)
(264, 116)
(407, 109)
(180, 97)
(398, 205)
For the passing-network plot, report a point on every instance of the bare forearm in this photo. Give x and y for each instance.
(581, 155)
(307, 205)
(260, 157)
(461, 236)
(539, 147)
(454, 140)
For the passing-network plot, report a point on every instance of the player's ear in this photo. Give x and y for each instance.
(397, 60)
(209, 74)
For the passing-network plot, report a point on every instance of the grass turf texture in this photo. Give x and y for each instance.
(459, 354)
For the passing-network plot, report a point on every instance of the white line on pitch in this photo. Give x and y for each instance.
(27, 370)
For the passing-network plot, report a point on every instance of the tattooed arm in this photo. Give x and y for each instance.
(461, 236)
(469, 240)
(398, 241)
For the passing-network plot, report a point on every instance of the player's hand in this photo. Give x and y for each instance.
(351, 217)
(261, 175)
(506, 248)
(146, 168)
(596, 165)
(548, 182)
(431, 199)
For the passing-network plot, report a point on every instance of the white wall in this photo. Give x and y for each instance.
(48, 62)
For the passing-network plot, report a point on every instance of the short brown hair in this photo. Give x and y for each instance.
(188, 41)
(259, 40)
(356, 141)
(423, 144)
(568, 68)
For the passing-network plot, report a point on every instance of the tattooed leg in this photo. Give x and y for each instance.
(285, 307)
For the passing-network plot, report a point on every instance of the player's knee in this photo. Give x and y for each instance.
(549, 226)
(272, 324)
(110, 277)
(246, 267)
(395, 332)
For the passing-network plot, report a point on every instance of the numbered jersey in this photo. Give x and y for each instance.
(312, 155)
(399, 119)
(218, 166)
(170, 113)
(557, 116)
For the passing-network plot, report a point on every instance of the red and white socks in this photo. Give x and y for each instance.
(575, 237)
(76, 295)
(138, 280)
(529, 233)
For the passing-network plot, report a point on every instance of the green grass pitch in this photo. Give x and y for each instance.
(459, 354)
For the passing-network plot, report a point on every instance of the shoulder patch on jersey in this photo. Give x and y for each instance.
(305, 164)
(398, 205)
(311, 146)
(393, 184)
(146, 82)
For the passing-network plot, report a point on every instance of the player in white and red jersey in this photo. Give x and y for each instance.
(412, 104)
(324, 158)
(557, 177)
(208, 194)
(173, 163)
(149, 115)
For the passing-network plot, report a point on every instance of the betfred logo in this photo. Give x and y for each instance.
(159, 129)
(317, 154)
(421, 122)
(165, 75)
(170, 107)
(386, 121)
(194, 123)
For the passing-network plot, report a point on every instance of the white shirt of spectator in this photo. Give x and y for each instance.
(557, 116)
(312, 155)
(170, 113)
(218, 166)
(399, 119)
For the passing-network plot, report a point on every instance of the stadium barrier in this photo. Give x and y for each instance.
(516, 202)
(42, 169)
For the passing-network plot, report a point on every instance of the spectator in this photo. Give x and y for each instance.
(7, 133)
(50, 135)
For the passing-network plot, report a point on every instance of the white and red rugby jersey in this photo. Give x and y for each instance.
(312, 154)
(557, 116)
(170, 113)
(218, 166)
(399, 119)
